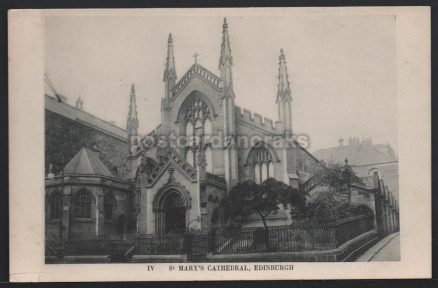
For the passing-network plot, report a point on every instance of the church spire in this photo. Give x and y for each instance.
(225, 67)
(132, 122)
(284, 95)
(284, 92)
(226, 60)
(169, 71)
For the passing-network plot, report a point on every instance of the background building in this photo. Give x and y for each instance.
(365, 158)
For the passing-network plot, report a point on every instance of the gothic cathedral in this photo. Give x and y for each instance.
(173, 179)
(180, 186)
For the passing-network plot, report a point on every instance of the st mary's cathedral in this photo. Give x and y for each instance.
(122, 184)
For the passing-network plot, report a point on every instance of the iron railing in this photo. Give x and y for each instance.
(114, 248)
(160, 245)
(305, 236)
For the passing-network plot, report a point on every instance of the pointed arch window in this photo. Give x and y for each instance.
(257, 173)
(55, 205)
(189, 133)
(261, 159)
(207, 130)
(264, 171)
(189, 157)
(109, 206)
(209, 159)
(271, 169)
(198, 129)
(83, 203)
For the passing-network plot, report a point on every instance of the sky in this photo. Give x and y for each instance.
(342, 68)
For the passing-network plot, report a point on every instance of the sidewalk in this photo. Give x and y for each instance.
(387, 249)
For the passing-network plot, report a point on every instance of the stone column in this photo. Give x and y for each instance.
(202, 182)
(100, 216)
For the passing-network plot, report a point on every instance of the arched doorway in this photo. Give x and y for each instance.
(174, 213)
(171, 206)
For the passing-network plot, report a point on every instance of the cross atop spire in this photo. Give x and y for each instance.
(196, 57)
(283, 79)
(169, 71)
(132, 123)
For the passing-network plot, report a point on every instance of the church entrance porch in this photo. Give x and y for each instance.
(175, 220)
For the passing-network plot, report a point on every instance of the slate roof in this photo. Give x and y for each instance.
(87, 162)
(358, 154)
(68, 111)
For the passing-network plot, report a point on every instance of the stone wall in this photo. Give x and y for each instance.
(82, 229)
(65, 137)
(256, 120)
(306, 162)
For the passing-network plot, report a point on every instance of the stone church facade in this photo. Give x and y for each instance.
(174, 179)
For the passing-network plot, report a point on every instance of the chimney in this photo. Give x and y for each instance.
(341, 142)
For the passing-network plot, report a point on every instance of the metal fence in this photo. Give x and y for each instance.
(298, 237)
(349, 228)
(292, 238)
(115, 248)
(160, 245)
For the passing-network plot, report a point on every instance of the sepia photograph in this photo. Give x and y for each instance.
(143, 169)
(208, 144)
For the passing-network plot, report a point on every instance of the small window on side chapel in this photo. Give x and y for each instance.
(109, 203)
(83, 204)
(55, 205)
(260, 158)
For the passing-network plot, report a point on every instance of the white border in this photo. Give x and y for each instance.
(26, 58)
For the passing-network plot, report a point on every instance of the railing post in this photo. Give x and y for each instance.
(60, 250)
(188, 244)
(212, 241)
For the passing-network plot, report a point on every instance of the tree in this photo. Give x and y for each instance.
(338, 177)
(331, 203)
(248, 197)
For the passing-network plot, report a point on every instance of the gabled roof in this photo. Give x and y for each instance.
(87, 162)
(201, 72)
(172, 158)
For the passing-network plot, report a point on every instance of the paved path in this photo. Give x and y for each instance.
(387, 249)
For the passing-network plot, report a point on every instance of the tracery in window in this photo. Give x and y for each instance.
(209, 159)
(198, 130)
